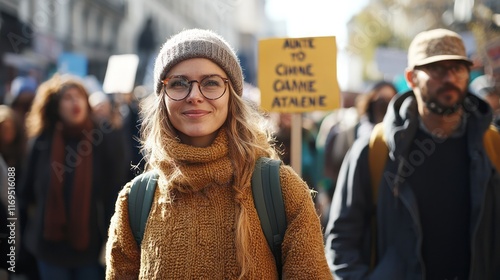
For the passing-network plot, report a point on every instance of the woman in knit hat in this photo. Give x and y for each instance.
(204, 140)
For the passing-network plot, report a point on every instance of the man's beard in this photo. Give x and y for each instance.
(435, 106)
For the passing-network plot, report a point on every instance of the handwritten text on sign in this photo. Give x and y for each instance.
(298, 74)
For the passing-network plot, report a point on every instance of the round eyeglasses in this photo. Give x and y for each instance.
(439, 71)
(179, 87)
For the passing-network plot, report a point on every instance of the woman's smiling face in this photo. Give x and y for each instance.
(196, 118)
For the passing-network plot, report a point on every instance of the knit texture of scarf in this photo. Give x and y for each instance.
(59, 225)
(199, 166)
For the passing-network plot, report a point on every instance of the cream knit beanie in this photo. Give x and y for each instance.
(198, 43)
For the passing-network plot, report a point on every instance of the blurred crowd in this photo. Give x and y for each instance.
(58, 130)
(34, 129)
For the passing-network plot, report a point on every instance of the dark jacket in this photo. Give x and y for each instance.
(108, 177)
(399, 231)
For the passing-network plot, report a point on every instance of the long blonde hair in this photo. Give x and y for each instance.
(250, 137)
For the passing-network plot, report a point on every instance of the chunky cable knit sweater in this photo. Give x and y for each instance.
(193, 235)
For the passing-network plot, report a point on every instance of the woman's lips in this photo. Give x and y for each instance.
(195, 113)
(76, 111)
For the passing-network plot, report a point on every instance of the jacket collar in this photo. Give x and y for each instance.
(402, 121)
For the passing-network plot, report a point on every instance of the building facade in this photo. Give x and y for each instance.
(38, 32)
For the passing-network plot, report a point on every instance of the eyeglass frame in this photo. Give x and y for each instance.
(431, 69)
(190, 82)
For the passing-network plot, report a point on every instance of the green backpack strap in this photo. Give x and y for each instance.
(268, 200)
(140, 199)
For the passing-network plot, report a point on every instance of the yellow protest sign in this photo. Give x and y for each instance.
(298, 75)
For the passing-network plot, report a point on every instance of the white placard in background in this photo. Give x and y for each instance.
(120, 74)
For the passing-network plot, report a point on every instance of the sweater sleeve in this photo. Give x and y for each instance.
(122, 253)
(302, 249)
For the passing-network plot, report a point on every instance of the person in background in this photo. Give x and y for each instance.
(371, 108)
(22, 94)
(203, 140)
(106, 113)
(72, 179)
(437, 205)
(12, 138)
(308, 155)
(12, 149)
(308, 145)
(131, 129)
(102, 109)
(484, 87)
(336, 120)
(493, 71)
